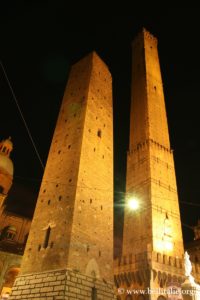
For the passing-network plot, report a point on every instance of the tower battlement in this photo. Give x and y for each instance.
(152, 238)
(137, 268)
(147, 35)
(148, 257)
(148, 142)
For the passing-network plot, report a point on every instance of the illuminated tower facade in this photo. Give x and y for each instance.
(152, 235)
(69, 252)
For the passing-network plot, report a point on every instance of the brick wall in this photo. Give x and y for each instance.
(60, 284)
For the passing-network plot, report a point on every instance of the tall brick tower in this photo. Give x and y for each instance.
(152, 236)
(69, 252)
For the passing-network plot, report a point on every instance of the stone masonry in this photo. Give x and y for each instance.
(150, 164)
(152, 238)
(60, 284)
(72, 227)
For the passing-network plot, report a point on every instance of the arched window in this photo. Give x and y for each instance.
(141, 297)
(8, 282)
(10, 276)
(8, 233)
(161, 298)
(129, 297)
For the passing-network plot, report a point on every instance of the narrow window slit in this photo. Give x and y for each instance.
(47, 236)
(99, 133)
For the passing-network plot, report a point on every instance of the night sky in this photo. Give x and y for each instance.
(39, 42)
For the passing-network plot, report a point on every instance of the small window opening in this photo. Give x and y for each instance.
(47, 236)
(99, 133)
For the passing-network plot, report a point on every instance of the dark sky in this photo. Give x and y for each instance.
(39, 42)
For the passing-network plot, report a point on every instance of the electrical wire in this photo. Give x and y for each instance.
(124, 194)
(21, 114)
(116, 192)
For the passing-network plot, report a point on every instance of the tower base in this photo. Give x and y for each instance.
(150, 275)
(60, 285)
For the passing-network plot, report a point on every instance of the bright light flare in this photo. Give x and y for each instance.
(168, 245)
(164, 246)
(133, 204)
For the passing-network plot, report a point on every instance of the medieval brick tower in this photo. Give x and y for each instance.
(152, 237)
(69, 252)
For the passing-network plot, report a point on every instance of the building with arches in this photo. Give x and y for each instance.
(13, 228)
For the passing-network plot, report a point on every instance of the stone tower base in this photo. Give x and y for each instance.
(60, 284)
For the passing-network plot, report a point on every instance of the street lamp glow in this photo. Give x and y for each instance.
(133, 204)
(168, 245)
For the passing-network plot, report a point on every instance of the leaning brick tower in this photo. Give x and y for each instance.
(69, 252)
(152, 237)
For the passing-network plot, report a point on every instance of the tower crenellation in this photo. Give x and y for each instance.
(152, 237)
